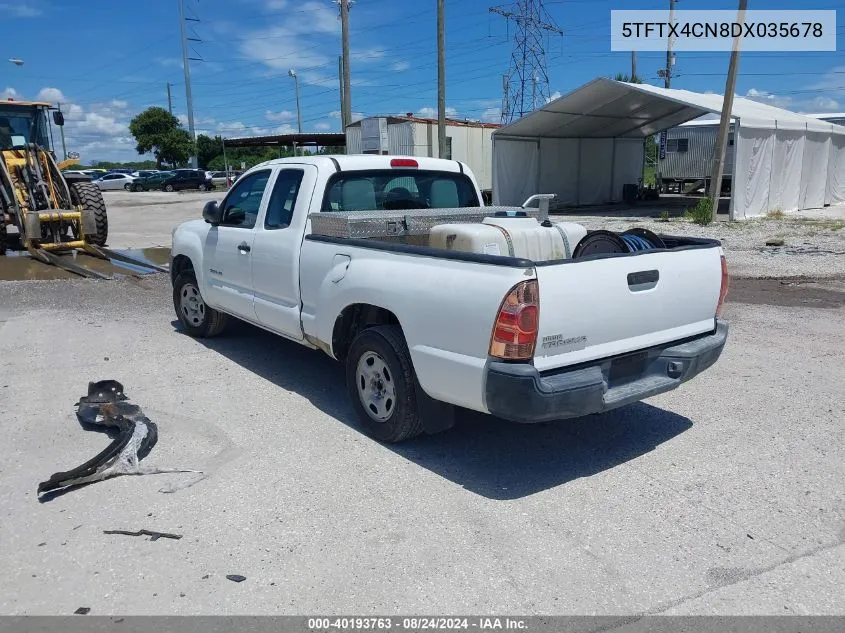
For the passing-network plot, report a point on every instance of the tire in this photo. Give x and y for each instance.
(168, 188)
(201, 322)
(89, 196)
(3, 234)
(127, 187)
(379, 361)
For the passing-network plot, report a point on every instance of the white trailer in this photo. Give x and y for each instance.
(470, 142)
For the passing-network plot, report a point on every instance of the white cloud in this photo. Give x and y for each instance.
(19, 10)
(51, 94)
(763, 96)
(555, 95)
(74, 112)
(169, 62)
(322, 126)
(822, 104)
(100, 124)
(356, 116)
(283, 115)
(368, 55)
(120, 105)
(400, 66)
(491, 115)
(430, 113)
(9, 93)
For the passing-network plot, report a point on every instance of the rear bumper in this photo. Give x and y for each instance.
(518, 392)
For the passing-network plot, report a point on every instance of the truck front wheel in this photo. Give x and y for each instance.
(380, 382)
(198, 319)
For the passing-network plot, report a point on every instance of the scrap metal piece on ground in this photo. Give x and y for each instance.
(235, 577)
(154, 536)
(106, 407)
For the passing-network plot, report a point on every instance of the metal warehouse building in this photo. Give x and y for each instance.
(467, 141)
(586, 145)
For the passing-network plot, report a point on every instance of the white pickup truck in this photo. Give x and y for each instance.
(423, 330)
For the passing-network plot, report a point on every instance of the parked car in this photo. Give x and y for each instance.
(188, 179)
(95, 173)
(152, 182)
(220, 179)
(143, 173)
(110, 182)
(428, 323)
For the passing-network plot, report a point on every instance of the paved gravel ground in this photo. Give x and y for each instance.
(724, 496)
(813, 246)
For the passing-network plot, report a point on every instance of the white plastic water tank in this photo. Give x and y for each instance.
(514, 237)
(469, 238)
(532, 240)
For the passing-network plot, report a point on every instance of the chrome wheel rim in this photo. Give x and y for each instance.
(191, 305)
(376, 386)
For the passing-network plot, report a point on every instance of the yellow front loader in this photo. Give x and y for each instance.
(53, 212)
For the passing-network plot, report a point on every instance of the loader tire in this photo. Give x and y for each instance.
(3, 235)
(89, 196)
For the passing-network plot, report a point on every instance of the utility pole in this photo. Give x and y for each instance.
(186, 67)
(343, 121)
(62, 130)
(293, 74)
(670, 58)
(633, 66)
(347, 91)
(725, 123)
(441, 79)
(169, 99)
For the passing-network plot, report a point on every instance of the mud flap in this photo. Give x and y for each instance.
(436, 416)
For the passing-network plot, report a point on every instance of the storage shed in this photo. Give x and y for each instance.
(467, 141)
(587, 144)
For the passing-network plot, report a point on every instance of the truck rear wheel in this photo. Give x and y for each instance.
(198, 319)
(3, 234)
(380, 382)
(90, 198)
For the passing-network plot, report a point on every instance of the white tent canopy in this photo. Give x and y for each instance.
(587, 144)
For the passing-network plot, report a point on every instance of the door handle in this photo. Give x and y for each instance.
(244, 247)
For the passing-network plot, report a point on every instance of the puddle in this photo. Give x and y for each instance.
(20, 266)
(158, 255)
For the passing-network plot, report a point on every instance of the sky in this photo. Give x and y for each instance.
(107, 61)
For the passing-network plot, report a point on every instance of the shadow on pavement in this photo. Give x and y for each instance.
(494, 458)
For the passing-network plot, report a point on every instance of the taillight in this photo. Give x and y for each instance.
(403, 162)
(515, 331)
(723, 291)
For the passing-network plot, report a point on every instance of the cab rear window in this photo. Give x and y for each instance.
(393, 189)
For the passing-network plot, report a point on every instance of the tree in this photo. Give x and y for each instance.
(627, 79)
(157, 131)
(208, 149)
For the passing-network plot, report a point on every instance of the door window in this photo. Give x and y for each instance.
(283, 200)
(240, 209)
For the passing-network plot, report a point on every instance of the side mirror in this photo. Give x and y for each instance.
(58, 118)
(211, 213)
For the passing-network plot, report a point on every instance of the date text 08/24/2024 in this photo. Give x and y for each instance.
(416, 624)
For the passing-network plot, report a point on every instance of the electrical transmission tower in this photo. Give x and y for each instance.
(526, 86)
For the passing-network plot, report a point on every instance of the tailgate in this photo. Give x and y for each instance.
(598, 308)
